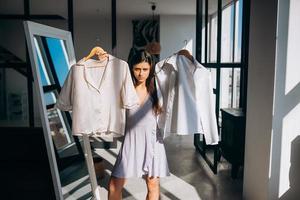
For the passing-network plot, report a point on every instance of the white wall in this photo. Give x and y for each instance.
(285, 152)
(124, 37)
(93, 29)
(272, 157)
(89, 33)
(174, 30)
(261, 72)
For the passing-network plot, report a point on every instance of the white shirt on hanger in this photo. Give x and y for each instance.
(186, 95)
(98, 101)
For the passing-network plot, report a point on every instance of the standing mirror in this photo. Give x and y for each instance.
(51, 55)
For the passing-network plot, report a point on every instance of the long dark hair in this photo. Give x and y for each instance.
(144, 56)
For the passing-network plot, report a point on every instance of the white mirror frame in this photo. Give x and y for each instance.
(34, 29)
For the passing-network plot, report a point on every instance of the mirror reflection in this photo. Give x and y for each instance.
(53, 64)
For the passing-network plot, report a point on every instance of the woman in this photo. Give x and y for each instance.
(142, 153)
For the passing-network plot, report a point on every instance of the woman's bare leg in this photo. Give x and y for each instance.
(153, 188)
(115, 188)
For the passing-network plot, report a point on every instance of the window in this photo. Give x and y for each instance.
(60, 63)
(221, 50)
(227, 34)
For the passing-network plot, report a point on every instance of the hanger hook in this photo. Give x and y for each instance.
(185, 43)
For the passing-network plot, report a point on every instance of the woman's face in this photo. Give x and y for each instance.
(141, 71)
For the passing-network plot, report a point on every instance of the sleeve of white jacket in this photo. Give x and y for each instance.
(160, 120)
(158, 92)
(65, 99)
(213, 121)
(128, 93)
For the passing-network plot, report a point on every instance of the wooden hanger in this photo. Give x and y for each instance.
(186, 53)
(99, 52)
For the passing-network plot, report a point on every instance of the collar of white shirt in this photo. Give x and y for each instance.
(90, 63)
(173, 61)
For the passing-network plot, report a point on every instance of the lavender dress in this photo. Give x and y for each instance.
(142, 151)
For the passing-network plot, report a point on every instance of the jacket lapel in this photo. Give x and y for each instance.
(89, 79)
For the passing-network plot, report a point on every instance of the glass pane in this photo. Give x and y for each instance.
(50, 98)
(58, 123)
(203, 34)
(238, 30)
(212, 55)
(230, 88)
(58, 129)
(45, 78)
(226, 88)
(212, 30)
(203, 46)
(236, 88)
(227, 33)
(59, 58)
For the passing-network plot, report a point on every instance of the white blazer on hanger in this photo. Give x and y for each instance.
(186, 95)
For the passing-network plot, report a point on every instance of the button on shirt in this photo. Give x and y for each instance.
(98, 95)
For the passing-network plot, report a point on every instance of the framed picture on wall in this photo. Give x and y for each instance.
(145, 37)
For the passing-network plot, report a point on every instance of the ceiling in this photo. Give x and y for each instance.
(143, 7)
(163, 7)
(136, 7)
(94, 8)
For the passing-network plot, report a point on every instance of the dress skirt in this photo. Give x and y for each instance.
(142, 152)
